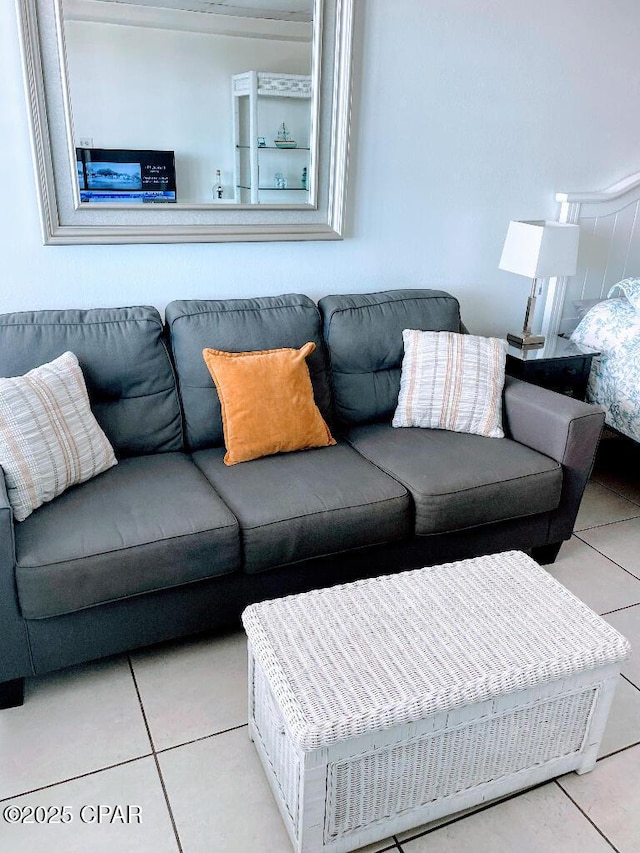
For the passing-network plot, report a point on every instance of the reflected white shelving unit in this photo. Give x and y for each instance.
(262, 101)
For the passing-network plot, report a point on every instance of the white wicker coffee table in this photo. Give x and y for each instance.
(379, 705)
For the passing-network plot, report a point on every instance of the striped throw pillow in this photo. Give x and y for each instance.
(49, 438)
(451, 381)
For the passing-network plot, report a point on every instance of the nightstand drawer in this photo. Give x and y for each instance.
(567, 376)
(561, 373)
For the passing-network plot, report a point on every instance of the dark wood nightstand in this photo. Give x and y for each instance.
(559, 365)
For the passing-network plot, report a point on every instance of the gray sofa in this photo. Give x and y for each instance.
(171, 541)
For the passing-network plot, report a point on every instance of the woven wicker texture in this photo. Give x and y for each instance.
(376, 653)
(393, 780)
(284, 761)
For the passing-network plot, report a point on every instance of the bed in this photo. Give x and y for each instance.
(599, 307)
(612, 326)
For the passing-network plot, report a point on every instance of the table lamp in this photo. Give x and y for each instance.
(538, 249)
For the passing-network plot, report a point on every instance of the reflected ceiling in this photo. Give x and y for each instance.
(282, 10)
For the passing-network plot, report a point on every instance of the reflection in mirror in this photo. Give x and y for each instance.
(262, 191)
(190, 101)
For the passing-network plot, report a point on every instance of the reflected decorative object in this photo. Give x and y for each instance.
(284, 139)
(304, 179)
(280, 181)
(258, 95)
(262, 142)
(538, 249)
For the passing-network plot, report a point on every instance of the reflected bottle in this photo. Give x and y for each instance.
(218, 190)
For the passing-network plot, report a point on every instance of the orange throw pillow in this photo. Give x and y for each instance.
(267, 402)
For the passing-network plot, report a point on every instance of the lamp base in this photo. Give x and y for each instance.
(526, 341)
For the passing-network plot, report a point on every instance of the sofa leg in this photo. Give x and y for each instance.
(546, 554)
(11, 693)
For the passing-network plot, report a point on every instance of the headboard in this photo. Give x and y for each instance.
(609, 249)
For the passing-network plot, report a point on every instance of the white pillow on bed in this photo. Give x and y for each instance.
(630, 289)
(582, 306)
(610, 326)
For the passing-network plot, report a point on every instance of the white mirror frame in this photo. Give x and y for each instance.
(65, 222)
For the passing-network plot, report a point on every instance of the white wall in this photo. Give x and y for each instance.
(133, 87)
(467, 113)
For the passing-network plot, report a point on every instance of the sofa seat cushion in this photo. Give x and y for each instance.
(308, 503)
(149, 523)
(459, 480)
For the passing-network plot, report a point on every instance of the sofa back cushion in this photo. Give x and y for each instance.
(238, 325)
(125, 363)
(363, 333)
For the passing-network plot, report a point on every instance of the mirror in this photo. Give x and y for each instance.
(164, 108)
(245, 142)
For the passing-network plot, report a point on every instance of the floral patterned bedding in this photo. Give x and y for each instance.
(613, 327)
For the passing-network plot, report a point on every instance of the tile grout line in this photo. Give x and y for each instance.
(155, 757)
(79, 776)
(619, 609)
(606, 523)
(628, 680)
(602, 554)
(142, 711)
(618, 495)
(612, 521)
(203, 737)
(451, 819)
(586, 816)
(595, 476)
(618, 751)
(614, 491)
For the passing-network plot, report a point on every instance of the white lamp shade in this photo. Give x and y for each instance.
(540, 249)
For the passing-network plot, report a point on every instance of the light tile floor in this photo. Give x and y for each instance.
(164, 732)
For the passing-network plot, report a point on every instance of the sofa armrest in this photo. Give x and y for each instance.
(565, 429)
(15, 658)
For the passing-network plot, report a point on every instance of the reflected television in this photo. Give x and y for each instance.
(127, 176)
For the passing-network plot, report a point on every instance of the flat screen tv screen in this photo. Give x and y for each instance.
(126, 175)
